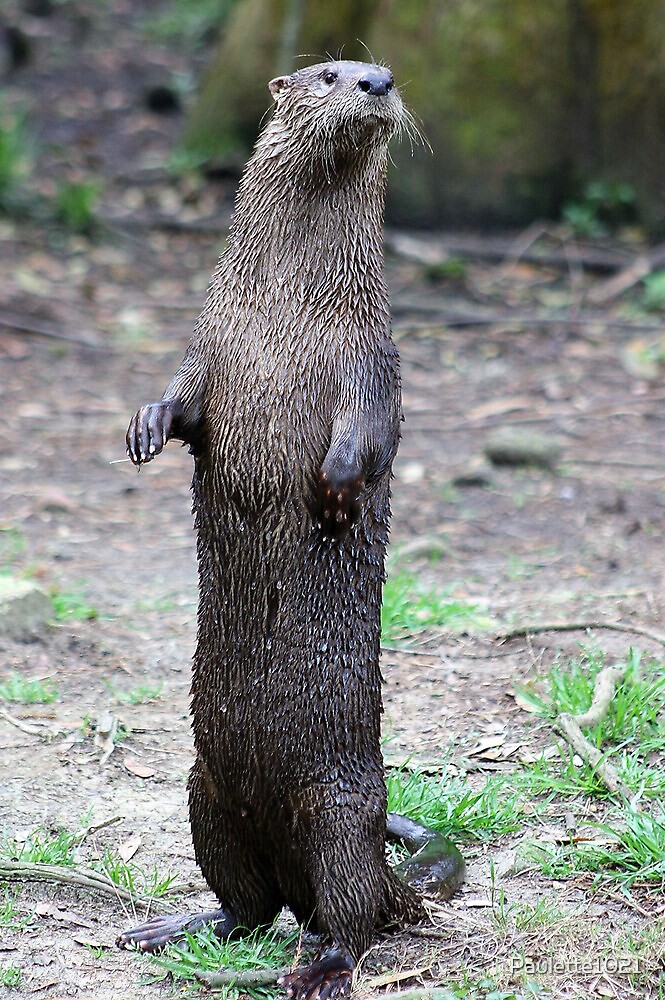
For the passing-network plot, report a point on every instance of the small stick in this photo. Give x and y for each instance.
(524, 630)
(241, 980)
(32, 871)
(43, 328)
(570, 728)
(25, 727)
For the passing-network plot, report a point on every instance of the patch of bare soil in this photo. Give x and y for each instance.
(579, 542)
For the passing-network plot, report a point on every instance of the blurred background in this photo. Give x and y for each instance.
(552, 110)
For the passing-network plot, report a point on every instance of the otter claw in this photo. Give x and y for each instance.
(329, 977)
(150, 429)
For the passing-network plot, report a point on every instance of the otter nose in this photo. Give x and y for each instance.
(376, 81)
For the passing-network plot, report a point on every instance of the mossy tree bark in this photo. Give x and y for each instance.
(522, 103)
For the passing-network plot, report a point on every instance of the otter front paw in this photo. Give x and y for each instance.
(338, 503)
(150, 428)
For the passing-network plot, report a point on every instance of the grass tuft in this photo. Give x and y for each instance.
(27, 690)
(410, 607)
(9, 917)
(203, 952)
(132, 877)
(451, 805)
(59, 849)
(140, 694)
(10, 976)
(637, 856)
(71, 605)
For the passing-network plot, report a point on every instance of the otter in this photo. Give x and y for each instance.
(289, 400)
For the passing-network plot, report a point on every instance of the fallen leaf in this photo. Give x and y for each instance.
(128, 848)
(89, 942)
(135, 766)
(495, 407)
(527, 701)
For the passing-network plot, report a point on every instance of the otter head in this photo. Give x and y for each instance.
(339, 106)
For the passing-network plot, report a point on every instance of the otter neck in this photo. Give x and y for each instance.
(315, 228)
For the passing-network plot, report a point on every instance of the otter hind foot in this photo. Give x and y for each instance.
(155, 934)
(327, 978)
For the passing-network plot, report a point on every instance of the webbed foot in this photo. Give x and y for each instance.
(327, 978)
(156, 933)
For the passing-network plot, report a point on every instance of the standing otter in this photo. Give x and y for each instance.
(289, 399)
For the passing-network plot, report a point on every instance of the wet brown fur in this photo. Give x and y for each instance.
(291, 374)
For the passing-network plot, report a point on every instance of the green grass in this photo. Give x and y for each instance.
(140, 694)
(451, 805)
(203, 952)
(134, 878)
(16, 159)
(38, 848)
(637, 854)
(637, 705)
(75, 205)
(9, 916)
(71, 605)
(61, 848)
(524, 916)
(632, 735)
(411, 606)
(10, 976)
(27, 690)
(471, 986)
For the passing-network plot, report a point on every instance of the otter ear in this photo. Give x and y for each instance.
(278, 85)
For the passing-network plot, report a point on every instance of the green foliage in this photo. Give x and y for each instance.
(632, 732)
(16, 159)
(471, 986)
(451, 805)
(636, 709)
(454, 270)
(10, 976)
(38, 848)
(410, 606)
(602, 207)
(75, 204)
(61, 848)
(71, 605)
(653, 298)
(140, 694)
(203, 952)
(524, 916)
(637, 854)
(26, 690)
(187, 23)
(132, 877)
(9, 917)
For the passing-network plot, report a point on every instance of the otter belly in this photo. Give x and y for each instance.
(286, 685)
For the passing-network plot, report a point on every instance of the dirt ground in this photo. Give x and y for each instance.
(579, 542)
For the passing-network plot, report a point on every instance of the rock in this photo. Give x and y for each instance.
(477, 472)
(24, 608)
(517, 446)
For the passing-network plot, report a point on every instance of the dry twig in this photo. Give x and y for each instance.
(241, 980)
(80, 878)
(525, 630)
(570, 727)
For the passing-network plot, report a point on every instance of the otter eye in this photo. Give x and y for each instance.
(330, 78)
